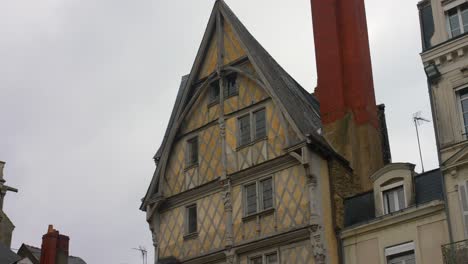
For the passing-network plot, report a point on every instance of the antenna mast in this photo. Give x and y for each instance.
(418, 120)
(143, 252)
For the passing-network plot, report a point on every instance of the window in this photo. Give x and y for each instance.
(403, 258)
(258, 196)
(464, 108)
(256, 121)
(270, 258)
(192, 151)
(457, 20)
(401, 254)
(191, 219)
(464, 203)
(394, 199)
(214, 91)
(260, 126)
(244, 130)
(230, 88)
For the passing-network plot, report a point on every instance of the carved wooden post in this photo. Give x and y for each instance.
(228, 237)
(312, 165)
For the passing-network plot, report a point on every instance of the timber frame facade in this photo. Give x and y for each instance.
(199, 206)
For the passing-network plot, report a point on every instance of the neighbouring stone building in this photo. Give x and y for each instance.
(401, 220)
(252, 168)
(6, 225)
(444, 33)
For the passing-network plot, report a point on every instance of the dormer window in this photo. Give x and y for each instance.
(230, 88)
(393, 198)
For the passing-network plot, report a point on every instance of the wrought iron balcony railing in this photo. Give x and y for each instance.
(455, 253)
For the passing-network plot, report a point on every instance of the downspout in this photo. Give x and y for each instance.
(447, 211)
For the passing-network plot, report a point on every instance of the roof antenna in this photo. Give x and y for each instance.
(143, 252)
(419, 120)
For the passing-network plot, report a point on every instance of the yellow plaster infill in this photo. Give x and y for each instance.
(407, 215)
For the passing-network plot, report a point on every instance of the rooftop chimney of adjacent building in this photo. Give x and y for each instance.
(345, 86)
(54, 249)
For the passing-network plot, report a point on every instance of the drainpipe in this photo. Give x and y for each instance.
(434, 118)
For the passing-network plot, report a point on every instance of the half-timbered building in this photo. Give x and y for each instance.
(244, 174)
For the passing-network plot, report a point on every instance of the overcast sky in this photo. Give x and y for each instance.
(87, 86)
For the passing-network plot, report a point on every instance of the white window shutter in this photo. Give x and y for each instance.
(464, 204)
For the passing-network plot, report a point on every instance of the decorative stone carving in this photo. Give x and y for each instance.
(227, 201)
(222, 127)
(230, 256)
(318, 249)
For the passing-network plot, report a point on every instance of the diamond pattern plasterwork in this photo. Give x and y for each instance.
(178, 179)
(211, 228)
(298, 254)
(171, 236)
(211, 222)
(233, 49)
(291, 197)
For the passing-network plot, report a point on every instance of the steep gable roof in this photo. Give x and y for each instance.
(299, 106)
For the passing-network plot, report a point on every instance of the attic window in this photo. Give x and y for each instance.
(231, 87)
(214, 91)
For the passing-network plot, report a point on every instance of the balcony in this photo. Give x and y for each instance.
(455, 253)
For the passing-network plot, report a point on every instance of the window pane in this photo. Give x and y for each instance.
(257, 260)
(195, 150)
(454, 22)
(192, 219)
(244, 130)
(401, 198)
(192, 148)
(272, 259)
(464, 15)
(465, 119)
(464, 94)
(231, 85)
(251, 197)
(267, 193)
(214, 91)
(260, 124)
(403, 258)
(464, 104)
(389, 199)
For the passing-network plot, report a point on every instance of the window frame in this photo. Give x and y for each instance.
(252, 127)
(187, 232)
(458, 99)
(401, 249)
(462, 199)
(460, 20)
(389, 187)
(258, 196)
(188, 152)
(263, 255)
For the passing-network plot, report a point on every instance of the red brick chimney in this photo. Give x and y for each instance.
(54, 249)
(345, 86)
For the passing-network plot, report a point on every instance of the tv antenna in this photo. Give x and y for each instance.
(419, 120)
(143, 252)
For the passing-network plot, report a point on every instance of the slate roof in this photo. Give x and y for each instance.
(294, 101)
(361, 208)
(36, 252)
(7, 256)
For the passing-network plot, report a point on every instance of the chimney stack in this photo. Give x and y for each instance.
(345, 86)
(54, 249)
